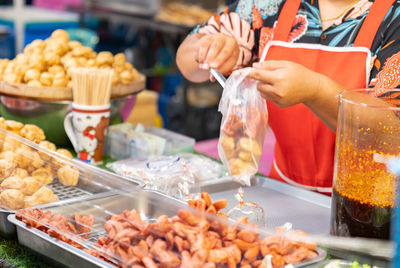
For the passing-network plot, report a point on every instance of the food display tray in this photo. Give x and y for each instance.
(306, 210)
(150, 204)
(92, 181)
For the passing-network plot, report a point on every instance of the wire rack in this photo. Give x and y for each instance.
(66, 192)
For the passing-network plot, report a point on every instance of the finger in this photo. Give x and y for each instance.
(264, 76)
(216, 47)
(204, 45)
(270, 64)
(229, 50)
(268, 92)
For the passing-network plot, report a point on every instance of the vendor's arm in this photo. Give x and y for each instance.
(200, 52)
(286, 83)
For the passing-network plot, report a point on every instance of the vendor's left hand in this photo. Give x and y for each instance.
(285, 83)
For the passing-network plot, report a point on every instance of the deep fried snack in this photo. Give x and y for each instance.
(68, 176)
(12, 199)
(20, 172)
(43, 175)
(33, 133)
(31, 185)
(7, 168)
(12, 183)
(49, 146)
(42, 196)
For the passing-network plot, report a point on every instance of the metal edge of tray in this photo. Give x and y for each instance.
(322, 255)
(58, 251)
(226, 184)
(53, 248)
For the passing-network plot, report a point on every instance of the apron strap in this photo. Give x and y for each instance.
(286, 19)
(372, 22)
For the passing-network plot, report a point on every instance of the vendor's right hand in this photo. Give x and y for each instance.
(218, 51)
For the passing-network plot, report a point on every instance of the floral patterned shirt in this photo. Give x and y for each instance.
(252, 23)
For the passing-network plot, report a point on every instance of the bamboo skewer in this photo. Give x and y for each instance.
(91, 86)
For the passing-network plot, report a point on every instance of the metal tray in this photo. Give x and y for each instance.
(150, 205)
(306, 210)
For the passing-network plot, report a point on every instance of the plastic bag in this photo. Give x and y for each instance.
(248, 209)
(179, 176)
(243, 126)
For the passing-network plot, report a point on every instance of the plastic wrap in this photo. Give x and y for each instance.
(179, 176)
(243, 126)
(251, 210)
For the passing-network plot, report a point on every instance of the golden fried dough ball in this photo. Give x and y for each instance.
(68, 176)
(34, 46)
(42, 196)
(12, 199)
(37, 61)
(135, 74)
(20, 172)
(74, 44)
(7, 168)
(24, 157)
(65, 153)
(31, 74)
(82, 51)
(57, 47)
(34, 83)
(55, 69)
(46, 79)
(32, 133)
(247, 156)
(60, 80)
(10, 144)
(119, 59)
(70, 63)
(52, 58)
(49, 146)
(37, 162)
(247, 144)
(31, 185)
(14, 126)
(43, 176)
(12, 183)
(105, 58)
(91, 63)
(10, 156)
(228, 145)
(81, 61)
(238, 166)
(126, 77)
(61, 35)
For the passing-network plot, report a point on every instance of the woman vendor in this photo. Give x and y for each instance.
(309, 51)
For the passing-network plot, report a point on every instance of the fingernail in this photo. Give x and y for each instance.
(256, 64)
(204, 66)
(214, 65)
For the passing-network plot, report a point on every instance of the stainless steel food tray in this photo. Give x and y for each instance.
(306, 210)
(150, 205)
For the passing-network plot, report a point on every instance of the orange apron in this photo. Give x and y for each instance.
(304, 149)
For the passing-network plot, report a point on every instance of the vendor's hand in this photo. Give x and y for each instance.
(285, 83)
(217, 51)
